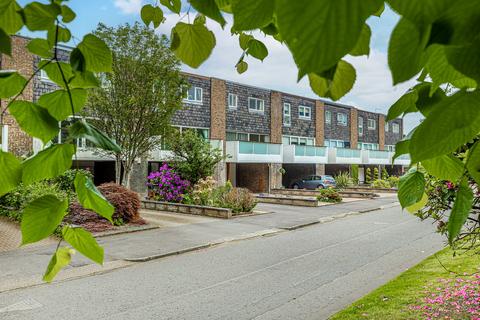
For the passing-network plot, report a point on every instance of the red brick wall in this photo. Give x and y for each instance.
(218, 109)
(319, 123)
(381, 132)
(353, 128)
(276, 121)
(253, 176)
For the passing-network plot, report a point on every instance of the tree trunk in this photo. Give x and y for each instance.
(118, 169)
(127, 170)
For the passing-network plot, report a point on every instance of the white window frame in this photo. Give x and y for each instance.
(259, 105)
(360, 126)
(334, 143)
(328, 117)
(369, 122)
(395, 128)
(309, 141)
(232, 98)
(196, 99)
(390, 147)
(386, 126)
(368, 146)
(305, 112)
(287, 116)
(342, 122)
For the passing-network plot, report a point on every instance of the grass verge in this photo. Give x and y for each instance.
(392, 300)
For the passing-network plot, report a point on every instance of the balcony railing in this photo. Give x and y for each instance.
(310, 151)
(254, 152)
(260, 148)
(348, 153)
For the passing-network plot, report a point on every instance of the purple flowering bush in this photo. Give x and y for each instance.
(166, 185)
(452, 299)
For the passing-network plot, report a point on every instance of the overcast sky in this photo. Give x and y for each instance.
(372, 91)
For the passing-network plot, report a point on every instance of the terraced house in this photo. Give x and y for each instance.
(263, 131)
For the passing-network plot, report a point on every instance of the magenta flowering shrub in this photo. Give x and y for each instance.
(166, 185)
(452, 299)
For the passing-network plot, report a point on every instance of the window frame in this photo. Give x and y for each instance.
(397, 126)
(374, 121)
(235, 97)
(328, 117)
(256, 110)
(195, 100)
(304, 116)
(387, 126)
(341, 123)
(287, 106)
(360, 126)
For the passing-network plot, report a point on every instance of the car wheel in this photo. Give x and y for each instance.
(295, 186)
(320, 186)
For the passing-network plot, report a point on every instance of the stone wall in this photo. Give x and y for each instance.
(392, 138)
(299, 127)
(192, 114)
(369, 136)
(333, 130)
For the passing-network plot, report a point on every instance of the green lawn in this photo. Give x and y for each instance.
(392, 300)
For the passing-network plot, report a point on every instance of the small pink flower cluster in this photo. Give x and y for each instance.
(450, 185)
(166, 185)
(453, 299)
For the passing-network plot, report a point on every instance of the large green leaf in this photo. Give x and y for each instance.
(151, 14)
(453, 122)
(85, 80)
(241, 66)
(419, 205)
(210, 9)
(319, 33)
(10, 172)
(67, 14)
(5, 43)
(401, 147)
(34, 120)
(53, 71)
(40, 47)
(48, 163)
(252, 14)
(97, 55)
(460, 211)
(173, 5)
(11, 83)
(41, 216)
(405, 104)
(84, 242)
(60, 259)
(343, 79)
(411, 187)
(444, 167)
(420, 11)
(473, 162)
(82, 129)
(10, 19)
(192, 43)
(90, 198)
(39, 16)
(58, 102)
(428, 98)
(406, 50)
(60, 35)
(243, 40)
(257, 49)
(466, 59)
(363, 44)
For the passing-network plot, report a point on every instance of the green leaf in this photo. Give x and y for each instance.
(319, 33)
(420, 11)
(173, 5)
(363, 44)
(41, 216)
(39, 16)
(58, 102)
(48, 163)
(252, 14)
(419, 205)
(428, 98)
(200, 19)
(405, 51)
(11, 83)
(77, 61)
(444, 167)
(10, 19)
(449, 125)
(5, 43)
(466, 59)
(34, 120)
(67, 14)
(401, 147)
(404, 105)
(380, 10)
(10, 172)
(84, 242)
(411, 187)
(82, 129)
(460, 211)
(85, 80)
(97, 55)
(210, 9)
(225, 5)
(64, 35)
(473, 162)
(243, 40)
(343, 79)
(90, 198)
(53, 71)
(195, 43)
(151, 14)
(40, 47)
(60, 259)
(257, 49)
(241, 66)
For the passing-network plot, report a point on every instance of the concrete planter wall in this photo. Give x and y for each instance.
(314, 193)
(292, 200)
(187, 209)
(382, 190)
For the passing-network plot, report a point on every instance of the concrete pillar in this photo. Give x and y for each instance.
(353, 128)
(220, 173)
(381, 132)
(319, 169)
(276, 114)
(319, 123)
(138, 177)
(275, 176)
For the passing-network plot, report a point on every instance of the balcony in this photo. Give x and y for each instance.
(304, 154)
(377, 157)
(254, 152)
(344, 156)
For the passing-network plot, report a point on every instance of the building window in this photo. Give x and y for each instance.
(195, 95)
(360, 126)
(336, 143)
(395, 128)
(342, 119)
(386, 126)
(304, 141)
(372, 124)
(368, 146)
(240, 136)
(287, 114)
(305, 112)
(328, 117)
(232, 101)
(44, 75)
(389, 147)
(256, 105)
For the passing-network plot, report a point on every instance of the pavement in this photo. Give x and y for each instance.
(307, 273)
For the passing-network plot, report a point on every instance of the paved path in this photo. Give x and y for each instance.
(308, 273)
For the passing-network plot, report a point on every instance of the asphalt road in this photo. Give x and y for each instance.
(308, 273)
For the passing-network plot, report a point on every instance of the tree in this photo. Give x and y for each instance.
(194, 158)
(136, 101)
(384, 173)
(368, 176)
(375, 173)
